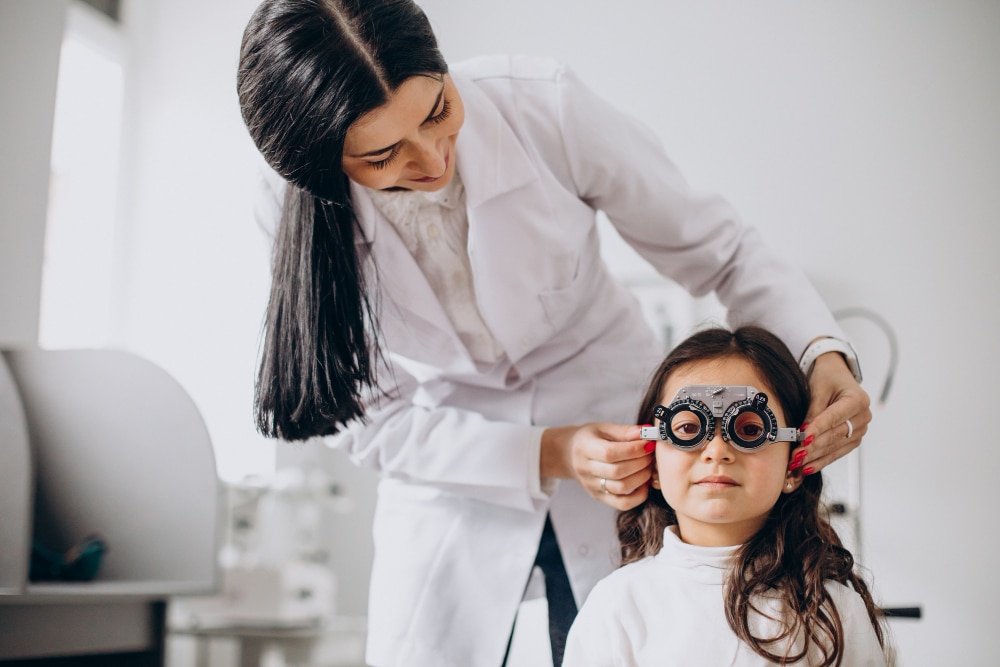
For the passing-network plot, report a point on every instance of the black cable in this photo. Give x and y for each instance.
(902, 612)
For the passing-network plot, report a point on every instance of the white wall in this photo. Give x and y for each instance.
(861, 138)
(198, 265)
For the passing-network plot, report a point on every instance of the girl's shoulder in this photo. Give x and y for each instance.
(861, 644)
(614, 587)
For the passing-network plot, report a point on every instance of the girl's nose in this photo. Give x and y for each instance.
(717, 449)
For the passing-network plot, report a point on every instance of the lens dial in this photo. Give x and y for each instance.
(685, 423)
(749, 424)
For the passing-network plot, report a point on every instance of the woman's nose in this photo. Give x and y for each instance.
(428, 157)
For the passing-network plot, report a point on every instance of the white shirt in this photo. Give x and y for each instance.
(435, 228)
(668, 610)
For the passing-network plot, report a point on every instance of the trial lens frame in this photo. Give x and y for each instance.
(727, 402)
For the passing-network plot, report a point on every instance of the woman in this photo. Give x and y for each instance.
(439, 310)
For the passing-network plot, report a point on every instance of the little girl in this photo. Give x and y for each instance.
(729, 561)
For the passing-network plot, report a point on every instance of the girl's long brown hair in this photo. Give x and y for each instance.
(797, 551)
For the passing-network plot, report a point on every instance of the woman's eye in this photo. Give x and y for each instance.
(445, 112)
(382, 164)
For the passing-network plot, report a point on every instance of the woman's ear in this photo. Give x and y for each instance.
(792, 482)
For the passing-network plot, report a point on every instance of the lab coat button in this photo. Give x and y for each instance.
(583, 550)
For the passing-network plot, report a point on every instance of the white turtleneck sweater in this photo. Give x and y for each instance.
(668, 610)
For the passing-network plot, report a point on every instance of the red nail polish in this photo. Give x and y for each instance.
(649, 446)
(807, 441)
(799, 455)
(808, 471)
(794, 464)
(804, 426)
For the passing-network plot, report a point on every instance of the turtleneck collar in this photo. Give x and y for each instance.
(704, 564)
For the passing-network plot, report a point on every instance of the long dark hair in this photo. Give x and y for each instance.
(308, 70)
(797, 550)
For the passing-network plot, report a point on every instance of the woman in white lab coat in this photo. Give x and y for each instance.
(440, 310)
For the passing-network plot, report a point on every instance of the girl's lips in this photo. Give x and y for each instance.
(717, 481)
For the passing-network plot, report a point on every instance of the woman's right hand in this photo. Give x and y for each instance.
(610, 461)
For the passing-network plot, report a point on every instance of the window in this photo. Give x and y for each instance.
(77, 304)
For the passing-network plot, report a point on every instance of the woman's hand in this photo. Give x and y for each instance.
(836, 398)
(610, 461)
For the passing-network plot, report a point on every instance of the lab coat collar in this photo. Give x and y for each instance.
(489, 155)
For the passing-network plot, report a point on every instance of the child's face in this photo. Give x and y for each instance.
(722, 496)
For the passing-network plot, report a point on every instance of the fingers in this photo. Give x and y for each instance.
(620, 470)
(829, 438)
(613, 463)
(614, 443)
(622, 479)
(836, 398)
(829, 412)
(626, 493)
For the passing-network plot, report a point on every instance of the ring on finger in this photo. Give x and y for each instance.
(850, 428)
(604, 485)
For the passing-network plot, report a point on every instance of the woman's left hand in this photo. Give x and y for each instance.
(838, 415)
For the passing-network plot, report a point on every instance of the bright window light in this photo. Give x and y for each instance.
(79, 268)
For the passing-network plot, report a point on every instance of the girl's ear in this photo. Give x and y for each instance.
(656, 477)
(792, 482)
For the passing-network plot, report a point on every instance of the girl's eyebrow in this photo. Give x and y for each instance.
(437, 102)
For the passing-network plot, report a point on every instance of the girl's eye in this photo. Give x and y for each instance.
(445, 112)
(382, 164)
(749, 426)
(685, 426)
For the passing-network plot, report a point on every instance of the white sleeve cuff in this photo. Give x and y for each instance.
(540, 488)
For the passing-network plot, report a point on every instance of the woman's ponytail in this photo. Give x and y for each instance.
(317, 359)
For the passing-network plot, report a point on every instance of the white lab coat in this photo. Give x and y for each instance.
(460, 506)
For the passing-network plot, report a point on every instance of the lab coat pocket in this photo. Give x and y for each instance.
(565, 306)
